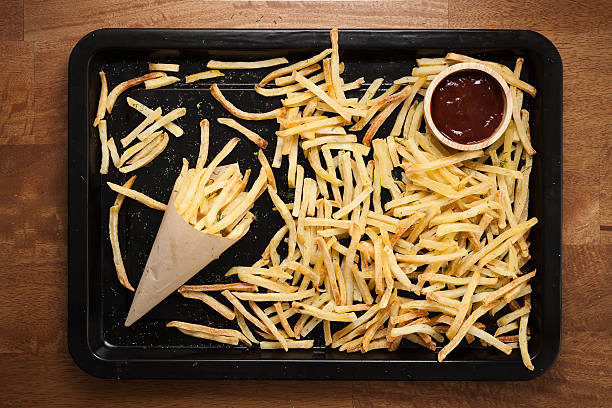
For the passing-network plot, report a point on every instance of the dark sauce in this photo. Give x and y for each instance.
(467, 106)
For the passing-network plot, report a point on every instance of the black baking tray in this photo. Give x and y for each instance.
(97, 304)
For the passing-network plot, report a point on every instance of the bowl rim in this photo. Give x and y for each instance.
(465, 66)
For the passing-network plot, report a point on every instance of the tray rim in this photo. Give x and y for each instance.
(91, 362)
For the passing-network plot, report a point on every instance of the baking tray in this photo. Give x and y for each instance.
(97, 304)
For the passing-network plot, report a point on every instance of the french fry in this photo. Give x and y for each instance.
(112, 149)
(113, 231)
(290, 344)
(275, 297)
(140, 107)
(131, 151)
(310, 126)
(244, 328)
(467, 324)
(138, 196)
(216, 93)
(239, 287)
(210, 301)
(103, 147)
(154, 116)
(369, 93)
(523, 342)
(159, 82)
(156, 151)
(408, 94)
(123, 86)
(220, 339)
(163, 67)
(322, 314)
(209, 330)
(102, 101)
(271, 327)
(212, 64)
(287, 80)
(203, 75)
(466, 302)
(167, 118)
(312, 87)
(249, 134)
(294, 67)
(424, 71)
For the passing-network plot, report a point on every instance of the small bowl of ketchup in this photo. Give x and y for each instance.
(468, 106)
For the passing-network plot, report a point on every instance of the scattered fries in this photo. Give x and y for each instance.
(454, 233)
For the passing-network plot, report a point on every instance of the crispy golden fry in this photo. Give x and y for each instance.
(275, 297)
(212, 64)
(312, 87)
(203, 75)
(154, 116)
(271, 327)
(209, 330)
(159, 82)
(210, 301)
(309, 126)
(167, 118)
(103, 99)
(239, 287)
(163, 67)
(114, 154)
(103, 147)
(249, 134)
(294, 67)
(216, 93)
(170, 127)
(407, 94)
(113, 231)
(156, 151)
(123, 86)
(290, 344)
(287, 80)
(146, 200)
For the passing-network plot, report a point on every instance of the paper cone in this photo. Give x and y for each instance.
(179, 252)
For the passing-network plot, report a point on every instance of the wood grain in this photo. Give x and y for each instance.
(51, 91)
(17, 92)
(11, 20)
(36, 369)
(33, 218)
(81, 17)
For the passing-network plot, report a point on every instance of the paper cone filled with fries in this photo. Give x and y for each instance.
(208, 212)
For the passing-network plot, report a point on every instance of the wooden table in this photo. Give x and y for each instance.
(36, 37)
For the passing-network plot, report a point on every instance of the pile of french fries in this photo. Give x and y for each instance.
(387, 238)
(217, 205)
(418, 243)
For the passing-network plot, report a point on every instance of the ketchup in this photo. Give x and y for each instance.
(467, 106)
